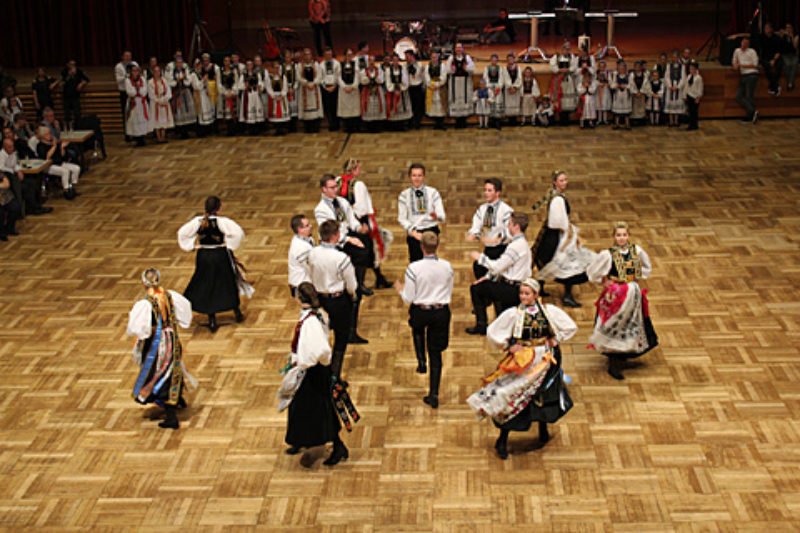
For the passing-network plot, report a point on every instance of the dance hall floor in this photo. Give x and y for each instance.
(703, 434)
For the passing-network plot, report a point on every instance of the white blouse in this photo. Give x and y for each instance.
(140, 323)
(499, 332)
(312, 343)
(557, 217)
(602, 265)
(232, 231)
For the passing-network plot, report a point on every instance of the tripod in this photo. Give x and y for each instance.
(198, 32)
(715, 39)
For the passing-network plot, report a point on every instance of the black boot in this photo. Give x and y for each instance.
(212, 323)
(480, 320)
(501, 445)
(355, 338)
(171, 421)
(615, 368)
(239, 316)
(336, 363)
(435, 377)
(544, 436)
(292, 450)
(339, 452)
(361, 273)
(380, 281)
(568, 300)
(419, 349)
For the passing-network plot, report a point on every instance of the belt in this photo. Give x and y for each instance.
(330, 294)
(510, 282)
(430, 307)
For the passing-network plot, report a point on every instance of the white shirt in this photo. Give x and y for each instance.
(331, 270)
(329, 77)
(9, 162)
(514, 264)
(298, 260)
(601, 266)
(557, 217)
(411, 218)
(499, 229)
(121, 73)
(312, 342)
(500, 331)
(745, 57)
(232, 231)
(418, 77)
(140, 323)
(325, 211)
(429, 281)
(695, 90)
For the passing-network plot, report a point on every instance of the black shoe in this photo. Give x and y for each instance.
(239, 316)
(569, 301)
(476, 330)
(42, 211)
(339, 452)
(433, 401)
(292, 450)
(422, 368)
(212, 324)
(13, 233)
(364, 290)
(355, 338)
(544, 435)
(181, 403)
(171, 422)
(382, 283)
(614, 369)
(501, 447)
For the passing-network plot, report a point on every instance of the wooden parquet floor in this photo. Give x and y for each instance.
(703, 435)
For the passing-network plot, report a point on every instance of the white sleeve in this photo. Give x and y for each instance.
(363, 205)
(647, 266)
(599, 268)
(187, 234)
(140, 318)
(470, 64)
(438, 207)
(554, 64)
(536, 91)
(557, 217)
(403, 213)
(348, 275)
(563, 326)
(233, 232)
(502, 263)
(699, 86)
(477, 223)
(352, 220)
(119, 73)
(183, 309)
(499, 332)
(129, 88)
(312, 345)
(410, 287)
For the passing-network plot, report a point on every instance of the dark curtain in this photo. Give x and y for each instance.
(93, 32)
(778, 12)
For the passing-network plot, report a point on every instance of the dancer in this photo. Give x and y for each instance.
(312, 419)
(218, 278)
(419, 209)
(301, 245)
(490, 224)
(355, 191)
(154, 321)
(428, 290)
(558, 252)
(528, 384)
(622, 328)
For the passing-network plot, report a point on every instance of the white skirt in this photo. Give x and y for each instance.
(569, 260)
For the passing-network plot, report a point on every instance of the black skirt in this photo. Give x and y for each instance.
(546, 405)
(213, 286)
(312, 417)
(546, 247)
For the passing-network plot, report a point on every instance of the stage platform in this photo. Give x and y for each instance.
(702, 435)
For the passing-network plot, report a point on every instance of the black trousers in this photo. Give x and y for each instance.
(693, 107)
(432, 326)
(414, 246)
(339, 311)
(9, 214)
(773, 73)
(492, 252)
(321, 28)
(417, 96)
(72, 109)
(330, 101)
(360, 257)
(123, 102)
(31, 185)
(498, 293)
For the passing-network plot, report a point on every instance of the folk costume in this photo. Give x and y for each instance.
(228, 98)
(416, 89)
(289, 73)
(398, 103)
(218, 278)
(183, 111)
(512, 100)
(675, 82)
(436, 92)
(530, 93)
(460, 87)
(483, 98)
(641, 85)
(160, 94)
(528, 384)
(251, 106)
(563, 92)
(373, 97)
(330, 70)
(278, 109)
(414, 208)
(655, 100)
(137, 111)
(624, 89)
(556, 252)
(622, 329)
(348, 107)
(205, 97)
(587, 104)
(154, 321)
(309, 102)
(491, 220)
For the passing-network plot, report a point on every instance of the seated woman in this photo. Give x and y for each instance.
(528, 384)
(56, 151)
